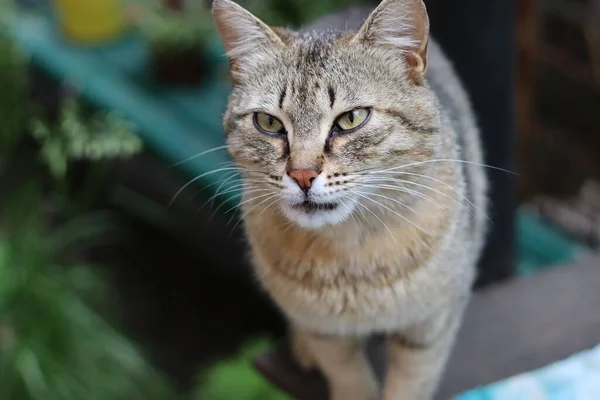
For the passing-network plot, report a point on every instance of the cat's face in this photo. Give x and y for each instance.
(312, 119)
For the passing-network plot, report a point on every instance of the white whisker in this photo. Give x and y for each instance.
(444, 160)
(351, 214)
(388, 198)
(217, 192)
(380, 220)
(390, 210)
(287, 227)
(249, 200)
(268, 205)
(403, 189)
(199, 155)
(437, 191)
(253, 207)
(214, 171)
(245, 189)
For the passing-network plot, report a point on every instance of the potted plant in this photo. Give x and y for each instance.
(178, 33)
(75, 137)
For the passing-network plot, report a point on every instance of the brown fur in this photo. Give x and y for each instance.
(395, 251)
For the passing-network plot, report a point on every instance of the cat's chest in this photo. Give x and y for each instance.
(355, 289)
(355, 295)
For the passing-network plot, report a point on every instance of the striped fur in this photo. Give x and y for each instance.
(376, 256)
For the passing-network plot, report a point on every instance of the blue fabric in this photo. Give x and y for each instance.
(575, 378)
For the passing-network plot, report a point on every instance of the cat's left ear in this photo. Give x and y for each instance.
(245, 37)
(400, 24)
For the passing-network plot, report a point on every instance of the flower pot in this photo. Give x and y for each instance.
(90, 21)
(174, 67)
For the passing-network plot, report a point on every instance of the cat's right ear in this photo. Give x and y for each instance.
(402, 25)
(246, 38)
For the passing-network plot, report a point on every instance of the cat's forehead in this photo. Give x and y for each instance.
(331, 56)
(318, 69)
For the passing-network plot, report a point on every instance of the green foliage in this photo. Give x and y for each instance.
(292, 13)
(169, 31)
(295, 13)
(13, 84)
(104, 135)
(236, 378)
(56, 340)
(53, 344)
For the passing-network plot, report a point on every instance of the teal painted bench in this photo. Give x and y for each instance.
(176, 123)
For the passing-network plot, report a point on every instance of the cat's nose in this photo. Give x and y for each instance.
(304, 177)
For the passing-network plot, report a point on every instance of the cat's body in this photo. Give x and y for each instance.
(384, 231)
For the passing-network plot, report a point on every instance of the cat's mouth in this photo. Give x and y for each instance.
(314, 215)
(311, 206)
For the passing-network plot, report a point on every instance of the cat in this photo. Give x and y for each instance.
(364, 194)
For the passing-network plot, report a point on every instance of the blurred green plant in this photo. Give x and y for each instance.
(175, 31)
(57, 338)
(13, 85)
(74, 137)
(53, 344)
(236, 378)
(293, 13)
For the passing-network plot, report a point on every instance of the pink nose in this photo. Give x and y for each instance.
(304, 177)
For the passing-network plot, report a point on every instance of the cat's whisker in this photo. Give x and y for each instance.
(390, 210)
(249, 200)
(199, 155)
(441, 160)
(407, 182)
(380, 220)
(226, 177)
(223, 202)
(251, 209)
(287, 227)
(351, 214)
(233, 196)
(388, 198)
(403, 189)
(217, 192)
(214, 171)
(437, 191)
(238, 185)
(242, 187)
(268, 205)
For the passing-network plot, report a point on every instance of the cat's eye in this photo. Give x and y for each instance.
(352, 120)
(268, 124)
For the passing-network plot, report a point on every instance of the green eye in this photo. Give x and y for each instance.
(267, 123)
(353, 119)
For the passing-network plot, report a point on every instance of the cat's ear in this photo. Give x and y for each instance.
(400, 24)
(244, 36)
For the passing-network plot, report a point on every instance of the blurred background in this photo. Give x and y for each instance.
(123, 267)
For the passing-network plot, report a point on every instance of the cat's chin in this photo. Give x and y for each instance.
(311, 218)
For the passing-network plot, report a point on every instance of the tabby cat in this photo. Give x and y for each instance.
(364, 195)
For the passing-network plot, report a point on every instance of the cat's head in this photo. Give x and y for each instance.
(313, 117)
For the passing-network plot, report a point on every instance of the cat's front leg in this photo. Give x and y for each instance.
(417, 356)
(343, 363)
